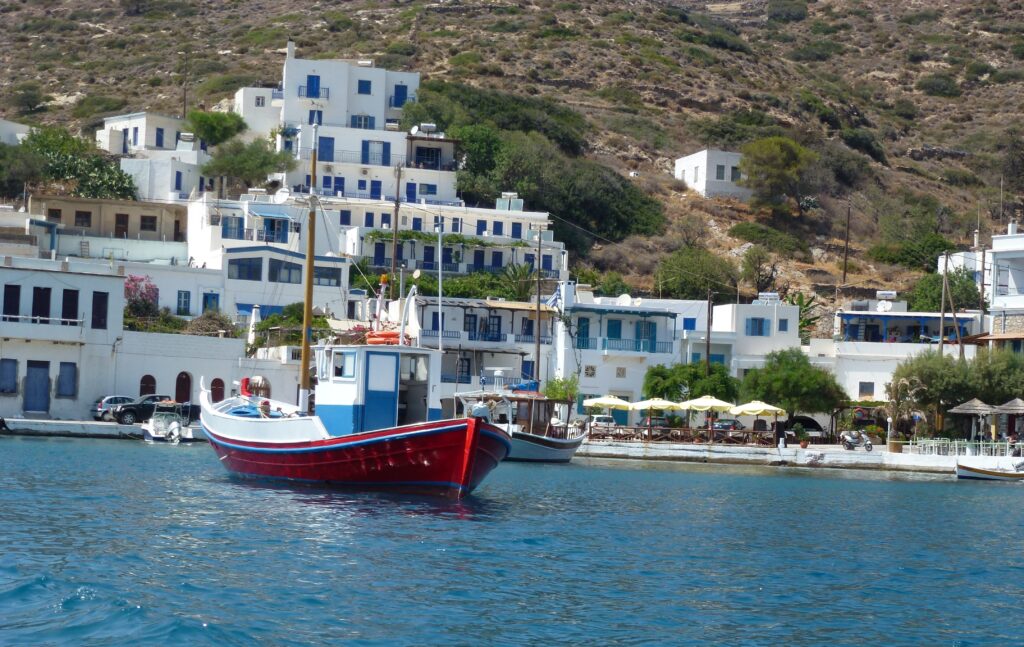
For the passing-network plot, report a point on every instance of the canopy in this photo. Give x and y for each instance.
(756, 408)
(607, 402)
(706, 403)
(973, 407)
(656, 403)
(1013, 407)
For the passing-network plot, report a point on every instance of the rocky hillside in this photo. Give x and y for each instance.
(907, 104)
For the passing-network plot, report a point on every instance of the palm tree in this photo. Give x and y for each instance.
(518, 281)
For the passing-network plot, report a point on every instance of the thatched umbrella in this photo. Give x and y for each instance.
(973, 407)
(1013, 408)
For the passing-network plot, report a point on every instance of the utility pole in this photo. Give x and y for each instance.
(942, 310)
(536, 333)
(184, 88)
(307, 302)
(394, 225)
(707, 338)
(952, 309)
(846, 247)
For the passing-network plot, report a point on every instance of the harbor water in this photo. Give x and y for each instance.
(123, 543)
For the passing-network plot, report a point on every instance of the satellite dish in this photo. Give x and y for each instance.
(637, 301)
(623, 300)
(282, 196)
(884, 306)
(416, 274)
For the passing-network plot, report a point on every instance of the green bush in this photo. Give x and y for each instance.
(96, 103)
(919, 254)
(773, 239)
(820, 50)
(938, 85)
(464, 59)
(813, 104)
(918, 17)
(977, 69)
(786, 10)
(863, 140)
(224, 84)
(1011, 75)
(905, 108)
(961, 177)
(735, 128)
(917, 56)
(717, 38)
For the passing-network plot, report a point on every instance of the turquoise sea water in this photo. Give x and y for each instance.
(121, 543)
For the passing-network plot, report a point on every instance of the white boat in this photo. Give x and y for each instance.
(538, 435)
(983, 474)
(170, 424)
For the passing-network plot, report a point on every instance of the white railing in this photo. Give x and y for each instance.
(948, 447)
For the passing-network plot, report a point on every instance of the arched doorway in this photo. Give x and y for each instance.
(147, 385)
(217, 389)
(183, 387)
(259, 386)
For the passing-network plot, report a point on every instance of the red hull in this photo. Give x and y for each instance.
(449, 457)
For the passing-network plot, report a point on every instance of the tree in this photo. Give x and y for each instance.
(26, 97)
(775, 169)
(690, 272)
(789, 380)
(249, 163)
(19, 166)
(73, 159)
(215, 128)
(808, 306)
(140, 297)
(287, 325)
(612, 285)
(519, 281)
(1013, 160)
(687, 381)
(759, 268)
(942, 380)
(210, 323)
(926, 296)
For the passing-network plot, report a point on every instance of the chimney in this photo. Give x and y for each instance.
(290, 50)
(1011, 228)
(976, 242)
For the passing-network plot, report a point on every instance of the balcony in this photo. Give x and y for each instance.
(339, 156)
(486, 336)
(315, 93)
(276, 94)
(380, 262)
(586, 343)
(637, 345)
(397, 103)
(532, 339)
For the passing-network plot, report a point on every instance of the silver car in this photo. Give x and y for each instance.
(101, 409)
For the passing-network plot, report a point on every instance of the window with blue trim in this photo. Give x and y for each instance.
(417, 224)
(346, 217)
(717, 358)
(499, 228)
(284, 272)
(517, 230)
(316, 117)
(327, 276)
(159, 137)
(362, 185)
(783, 325)
(327, 182)
(135, 136)
(456, 225)
(368, 219)
(695, 358)
(363, 122)
(428, 189)
(344, 364)
(8, 376)
(758, 327)
(245, 269)
(177, 180)
(67, 380)
(385, 220)
(365, 87)
(689, 323)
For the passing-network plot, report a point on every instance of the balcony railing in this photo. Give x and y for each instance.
(448, 334)
(276, 94)
(380, 262)
(531, 339)
(316, 93)
(586, 343)
(637, 345)
(463, 378)
(35, 319)
(393, 103)
(339, 156)
(486, 336)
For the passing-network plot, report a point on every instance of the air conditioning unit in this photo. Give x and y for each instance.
(214, 219)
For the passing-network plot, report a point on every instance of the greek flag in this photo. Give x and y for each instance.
(555, 300)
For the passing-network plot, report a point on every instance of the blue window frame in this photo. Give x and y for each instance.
(417, 224)
(689, 323)
(124, 141)
(758, 327)
(456, 225)
(481, 227)
(177, 180)
(385, 220)
(496, 259)
(284, 272)
(517, 230)
(316, 117)
(362, 122)
(545, 262)
(428, 189)
(211, 301)
(135, 136)
(362, 185)
(245, 269)
(346, 217)
(783, 325)
(365, 87)
(326, 182)
(159, 137)
(376, 189)
(184, 303)
(67, 380)
(529, 259)
(717, 358)
(232, 227)
(288, 144)
(499, 228)
(614, 329)
(368, 219)
(312, 86)
(325, 150)
(401, 96)
(8, 376)
(339, 184)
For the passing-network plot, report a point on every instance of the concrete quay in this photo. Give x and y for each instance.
(824, 456)
(76, 429)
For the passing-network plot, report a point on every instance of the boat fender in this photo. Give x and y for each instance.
(243, 387)
(481, 410)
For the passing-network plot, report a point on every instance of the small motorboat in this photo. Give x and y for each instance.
(538, 435)
(170, 423)
(982, 474)
(376, 425)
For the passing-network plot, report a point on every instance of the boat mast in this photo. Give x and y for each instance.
(307, 302)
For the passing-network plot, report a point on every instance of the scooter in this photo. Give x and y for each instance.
(857, 438)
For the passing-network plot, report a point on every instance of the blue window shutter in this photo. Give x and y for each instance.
(366, 152)
(325, 149)
(371, 121)
(327, 182)
(694, 358)
(308, 179)
(352, 121)
(346, 217)
(750, 327)
(417, 224)
(177, 180)
(386, 156)
(410, 191)
(499, 228)
(517, 230)
(339, 183)
(767, 327)
(362, 185)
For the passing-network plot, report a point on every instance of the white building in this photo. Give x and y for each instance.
(713, 174)
(349, 112)
(11, 133)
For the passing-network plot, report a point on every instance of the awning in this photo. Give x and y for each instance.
(265, 310)
(265, 211)
(997, 336)
(518, 305)
(870, 314)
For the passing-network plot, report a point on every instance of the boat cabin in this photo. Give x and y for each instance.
(366, 388)
(511, 410)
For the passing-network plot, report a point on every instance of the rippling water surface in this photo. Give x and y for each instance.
(114, 542)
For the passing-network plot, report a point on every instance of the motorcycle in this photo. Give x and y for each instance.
(856, 438)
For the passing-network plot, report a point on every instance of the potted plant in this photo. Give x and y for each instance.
(801, 435)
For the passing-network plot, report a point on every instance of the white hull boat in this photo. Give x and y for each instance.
(987, 474)
(537, 435)
(543, 449)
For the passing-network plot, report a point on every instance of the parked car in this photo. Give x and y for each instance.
(654, 421)
(728, 424)
(139, 409)
(101, 409)
(602, 422)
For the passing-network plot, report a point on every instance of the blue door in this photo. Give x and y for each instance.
(527, 369)
(312, 86)
(478, 259)
(339, 185)
(378, 254)
(401, 96)
(428, 257)
(159, 137)
(124, 141)
(614, 329)
(446, 256)
(211, 301)
(583, 332)
(325, 149)
(37, 387)
(621, 416)
(410, 191)
(496, 258)
(375, 189)
(380, 410)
